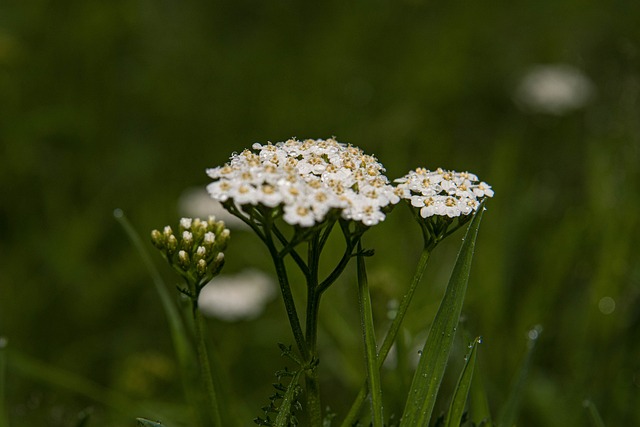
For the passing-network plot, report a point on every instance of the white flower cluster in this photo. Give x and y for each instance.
(308, 179)
(444, 193)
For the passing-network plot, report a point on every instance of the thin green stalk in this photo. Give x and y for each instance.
(289, 303)
(593, 411)
(181, 344)
(314, 407)
(366, 314)
(391, 335)
(205, 367)
(4, 417)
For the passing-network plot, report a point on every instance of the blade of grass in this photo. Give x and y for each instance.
(461, 392)
(4, 417)
(479, 412)
(366, 319)
(509, 412)
(435, 353)
(390, 337)
(593, 412)
(143, 422)
(181, 344)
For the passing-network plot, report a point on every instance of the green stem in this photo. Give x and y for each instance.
(366, 314)
(181, 345)
(205, 367)
(4, 418)
(314, 407)
(391, 335)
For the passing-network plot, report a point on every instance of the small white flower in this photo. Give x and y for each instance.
(236, 297)
(299, 214)
(186, 223)
(554, 89)
(443, 193)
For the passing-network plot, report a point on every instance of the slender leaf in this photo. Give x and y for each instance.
(593, 412)
(83, 417)
(435, 353)
(390, 337)
(4, 418)
(182, 347)
(479, 412)
(284, 411)
(373, 371)
(507, 417)
(143, 422)
(461, 392)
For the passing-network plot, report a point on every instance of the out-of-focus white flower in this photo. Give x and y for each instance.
(444, 193)
(306, 179)
(554, 89)
(237, 297)
(196, 202)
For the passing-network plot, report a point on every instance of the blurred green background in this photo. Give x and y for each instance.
(123, 104)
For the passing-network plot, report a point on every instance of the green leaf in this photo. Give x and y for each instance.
(461, 392)
(284, 411)
(479, 412)
(435, 353)
(148, 423)
(371, 358)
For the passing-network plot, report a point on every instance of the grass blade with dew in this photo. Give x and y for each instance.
(143, 422)
(435, 353)
(461, 392)
(366, 314)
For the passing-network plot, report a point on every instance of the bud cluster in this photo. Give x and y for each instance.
(196, 250)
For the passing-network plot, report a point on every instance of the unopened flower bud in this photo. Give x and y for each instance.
(195, 223)
(219, 259)
(157, 239)
(209, 238)
(201, 252)
(201, 267)
(183, 259)
(167, 231)
(187, 239)
(223, 239)
(172, 244)
(185, 223)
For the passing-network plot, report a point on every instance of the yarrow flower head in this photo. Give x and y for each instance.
(443, 200)
(306, 181)
(197, 253)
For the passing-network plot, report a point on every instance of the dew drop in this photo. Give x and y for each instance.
(419, 352)
(118, 213)
(479, 340)
(606, 305)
